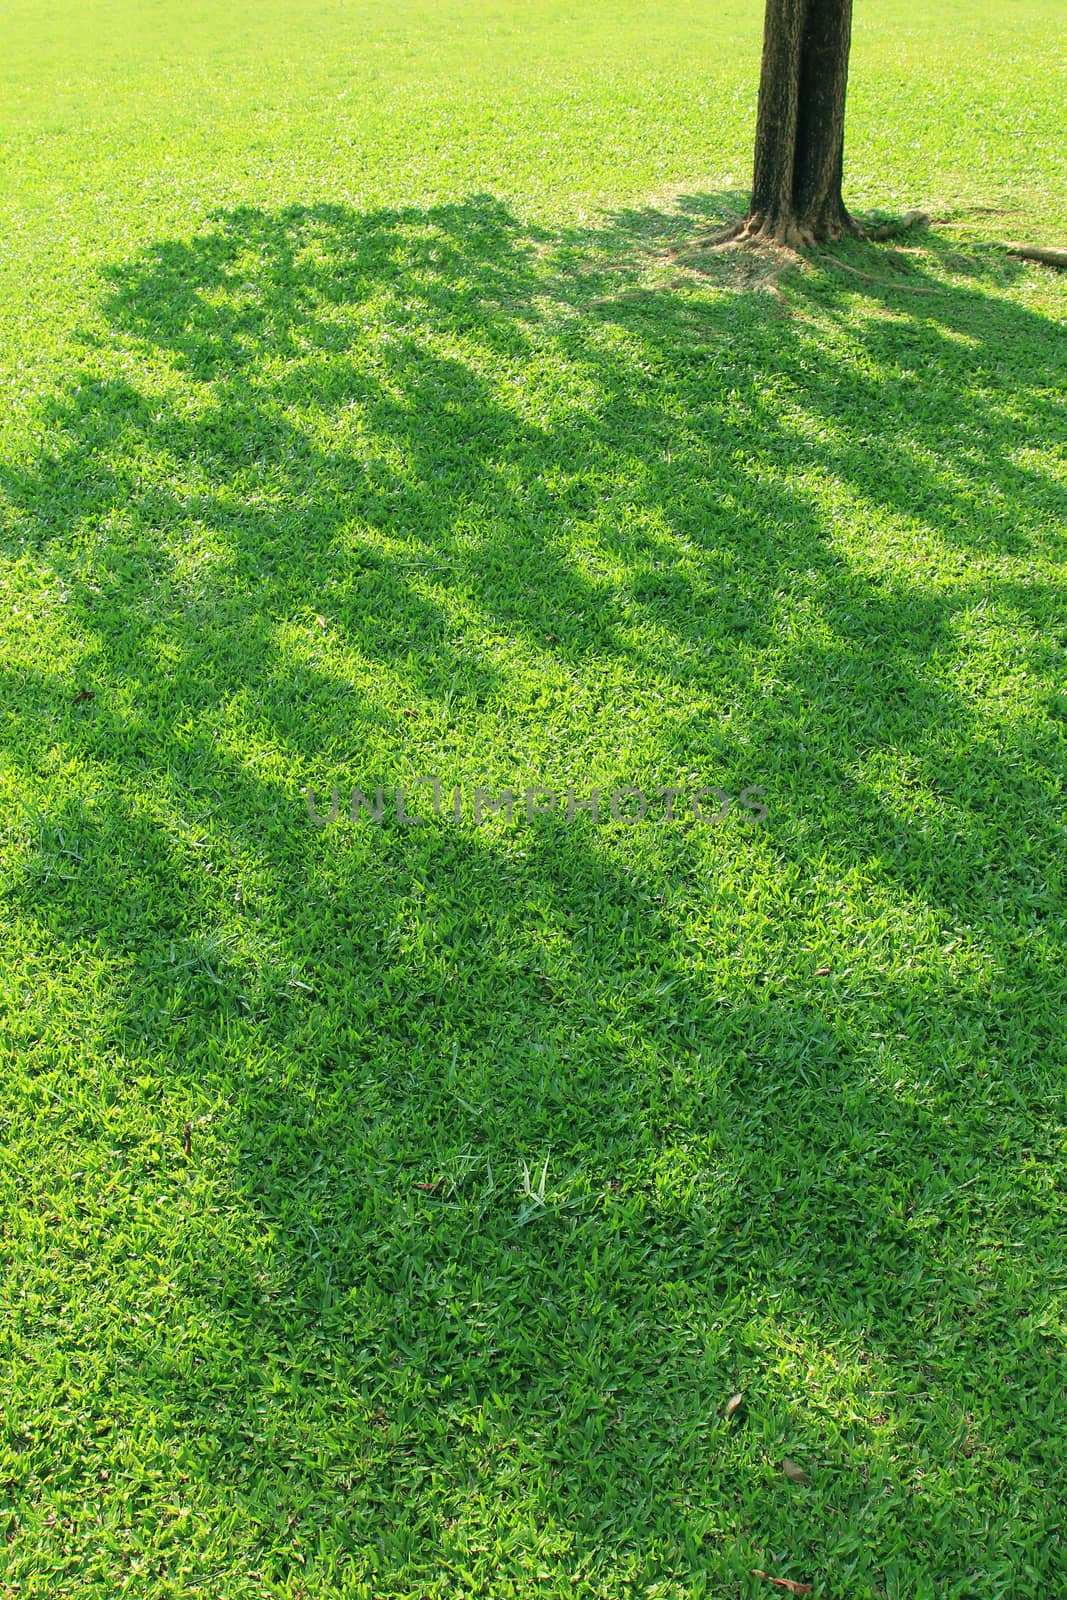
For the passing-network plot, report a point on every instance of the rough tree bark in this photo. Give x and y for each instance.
(800, 127)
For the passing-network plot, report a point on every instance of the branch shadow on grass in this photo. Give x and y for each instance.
(348, 497)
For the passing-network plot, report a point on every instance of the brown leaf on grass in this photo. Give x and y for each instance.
(733, 1405)
(822, 972)
(790, 1585)
(83, 695)
(187, 1138)
(321, 622)
(793, 1472)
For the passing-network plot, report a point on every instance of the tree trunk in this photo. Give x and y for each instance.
(800, 129)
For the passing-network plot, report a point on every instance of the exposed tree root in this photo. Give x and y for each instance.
(707, 241)
(987, 211)
(782, 231)
(1039, 252)
(883, 283)
(784, 235)
(890, 230)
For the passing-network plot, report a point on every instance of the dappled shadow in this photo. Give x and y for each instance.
(345, 497)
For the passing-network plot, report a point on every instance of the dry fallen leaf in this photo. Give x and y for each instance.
(321, 622)
(733, 1404)
(822, 972)
(790, 1585)
(83, 695)
(793, 1472)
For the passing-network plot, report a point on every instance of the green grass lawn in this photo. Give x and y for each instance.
(393, 1211)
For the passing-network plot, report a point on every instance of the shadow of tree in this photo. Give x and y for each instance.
(344, 498)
